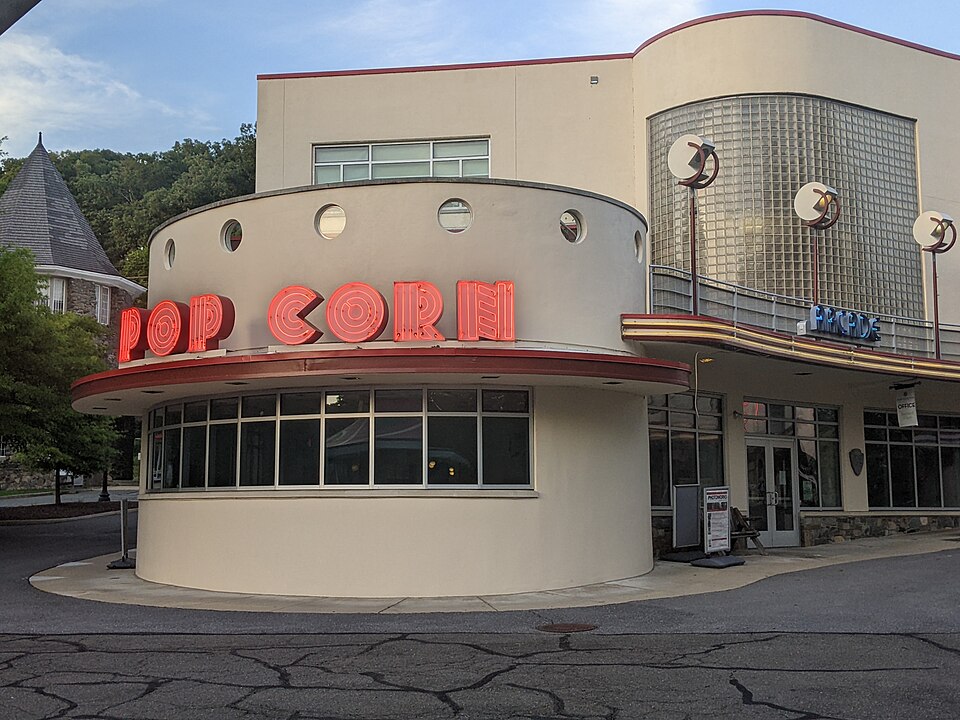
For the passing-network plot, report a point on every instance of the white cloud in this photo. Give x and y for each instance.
(613, 26)
(46, 89)
(379, 33)
(407, 32)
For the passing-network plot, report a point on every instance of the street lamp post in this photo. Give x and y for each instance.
(936, 233)
(818, 205)
(687, 160)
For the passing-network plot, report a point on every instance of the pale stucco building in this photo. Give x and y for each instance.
(442, 351)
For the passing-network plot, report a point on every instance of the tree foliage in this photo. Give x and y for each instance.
(41, 354)
(125, 196)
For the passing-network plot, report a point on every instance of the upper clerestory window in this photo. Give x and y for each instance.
(374, 161)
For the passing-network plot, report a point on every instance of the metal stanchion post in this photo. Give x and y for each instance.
(124, 563)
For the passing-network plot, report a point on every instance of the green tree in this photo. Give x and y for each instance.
(125, 196)
(41, 354)
(8, 167)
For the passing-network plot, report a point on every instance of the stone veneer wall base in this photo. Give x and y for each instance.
(821, 530)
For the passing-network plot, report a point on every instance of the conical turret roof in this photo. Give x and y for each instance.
(38, 212)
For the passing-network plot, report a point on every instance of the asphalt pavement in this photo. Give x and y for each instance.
(871, 639)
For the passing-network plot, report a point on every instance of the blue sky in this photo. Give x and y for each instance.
(138, 75)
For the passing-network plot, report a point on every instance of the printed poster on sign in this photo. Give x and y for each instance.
(906, 408)
(716, 519)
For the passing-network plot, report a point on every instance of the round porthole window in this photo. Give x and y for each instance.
(169, 253)
(572, 227)
(455, 216)
(638, 241)
(231, 236)
(330, 221)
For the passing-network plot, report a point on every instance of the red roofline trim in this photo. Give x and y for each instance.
(434, 68)
(618, 56)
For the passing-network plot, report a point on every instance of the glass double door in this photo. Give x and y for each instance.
(772, 490)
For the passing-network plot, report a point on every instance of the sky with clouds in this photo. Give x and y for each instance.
(138, 75)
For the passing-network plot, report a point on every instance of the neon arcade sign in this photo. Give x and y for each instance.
(356, 312)
(846, 323)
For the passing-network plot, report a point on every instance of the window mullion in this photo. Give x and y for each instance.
(238, 426)
(426, 432)
(323, 442)
(371, 439)
(479, 438)
(276, 441)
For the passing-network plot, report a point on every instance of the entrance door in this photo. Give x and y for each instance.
(772, 489)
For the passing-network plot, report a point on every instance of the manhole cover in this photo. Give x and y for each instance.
(566, 627)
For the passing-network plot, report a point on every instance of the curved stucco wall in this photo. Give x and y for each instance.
(548, 121)
(586, 520)
(566, 294)
(585, 517)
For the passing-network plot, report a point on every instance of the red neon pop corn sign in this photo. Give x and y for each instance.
(356, 312)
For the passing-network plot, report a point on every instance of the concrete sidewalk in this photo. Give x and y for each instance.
(91, 580)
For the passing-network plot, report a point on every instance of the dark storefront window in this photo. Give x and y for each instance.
(686, 443)
(458, 437)
(300, 451)
(912, 467)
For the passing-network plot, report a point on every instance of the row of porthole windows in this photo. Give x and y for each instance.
(454, 216)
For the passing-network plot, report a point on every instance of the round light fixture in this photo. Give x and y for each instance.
(687, 161)
(933, 229)
(813, 203)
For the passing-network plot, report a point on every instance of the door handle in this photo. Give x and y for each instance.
(776, 498)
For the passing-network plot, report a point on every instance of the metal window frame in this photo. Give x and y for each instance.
(156, 423)
(913, 444)
(369, 163)
(669, 428)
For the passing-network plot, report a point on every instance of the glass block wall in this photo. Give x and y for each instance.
(748, 234)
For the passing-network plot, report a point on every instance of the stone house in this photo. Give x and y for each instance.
(37, 212)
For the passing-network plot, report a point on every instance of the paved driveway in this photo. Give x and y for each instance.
(877, 639)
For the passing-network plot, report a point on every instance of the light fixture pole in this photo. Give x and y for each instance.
(687, 161)
(818, 205)
(936, 233)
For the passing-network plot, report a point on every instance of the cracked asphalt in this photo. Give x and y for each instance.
(876, 639)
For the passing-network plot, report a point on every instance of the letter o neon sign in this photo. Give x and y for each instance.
(165, 334)
(356, 313)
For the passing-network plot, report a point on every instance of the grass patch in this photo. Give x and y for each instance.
(59, 512)
(21, 492)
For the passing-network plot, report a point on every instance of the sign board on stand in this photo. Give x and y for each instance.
(686, 515)
(716, 519)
